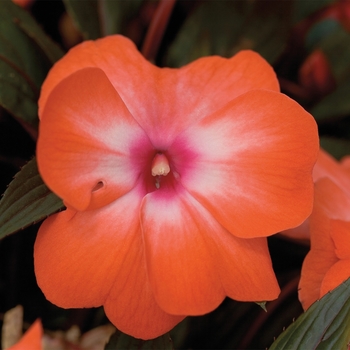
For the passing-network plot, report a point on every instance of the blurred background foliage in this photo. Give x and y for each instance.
(307, 43)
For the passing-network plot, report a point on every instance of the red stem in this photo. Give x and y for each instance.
(156, 29)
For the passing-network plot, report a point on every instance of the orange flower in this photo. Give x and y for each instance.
(328, 262)
(338, 172)
(31, 340)
(172, 179)
(326, 166)
(316, 75)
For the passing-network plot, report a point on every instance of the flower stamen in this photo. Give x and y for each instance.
(160, 165)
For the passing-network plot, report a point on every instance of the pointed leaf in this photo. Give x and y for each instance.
(98, 18)
(85, 16)
(26, 55)
(325, 325)
(52, 51)
(27, 200)
(260, 26)
(121, 341)
(118, 14)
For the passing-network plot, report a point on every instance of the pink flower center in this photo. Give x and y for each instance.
(161, 169)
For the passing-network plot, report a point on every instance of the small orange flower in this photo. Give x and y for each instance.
(32, 339)
(328, 262)
(316, 75)
(172, 179)
(338, 172)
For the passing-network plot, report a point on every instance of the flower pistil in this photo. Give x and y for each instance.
(160, 167)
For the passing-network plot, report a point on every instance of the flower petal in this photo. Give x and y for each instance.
(87, 141)
(168, 100)
(345, 162)
(254, 278)
(315, 267)
(88, 259)
(212, 82)
(201, 88)
(131, 305)
(251, 163)
(340, 233)
(180, 265)
(116, 55)
(329, 200)
(300, 234)
(193, 262)
(78, 255)
(32, 339)
(327, 166)
(336, 275)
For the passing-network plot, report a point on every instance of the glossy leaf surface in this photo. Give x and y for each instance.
(325, 325)
(26, 55)
(96, 19)
(254, 25)
(27, 200)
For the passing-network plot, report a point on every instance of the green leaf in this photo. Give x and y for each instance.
(85, 16)
(320, 31)
(303, 8)
(336, 46)
(226, 27)
(121, 341)
(26, 55)
(325, 325)
(117, 14)
(334, 105)
(51, 50)
(27, 200)
(98, 18)
(338, 148)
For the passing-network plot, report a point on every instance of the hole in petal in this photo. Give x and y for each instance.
(98, 186)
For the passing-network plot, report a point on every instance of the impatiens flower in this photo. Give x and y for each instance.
(316, 76)
(338, 172)
(172, 178)
(32, 339)
(328, 262)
